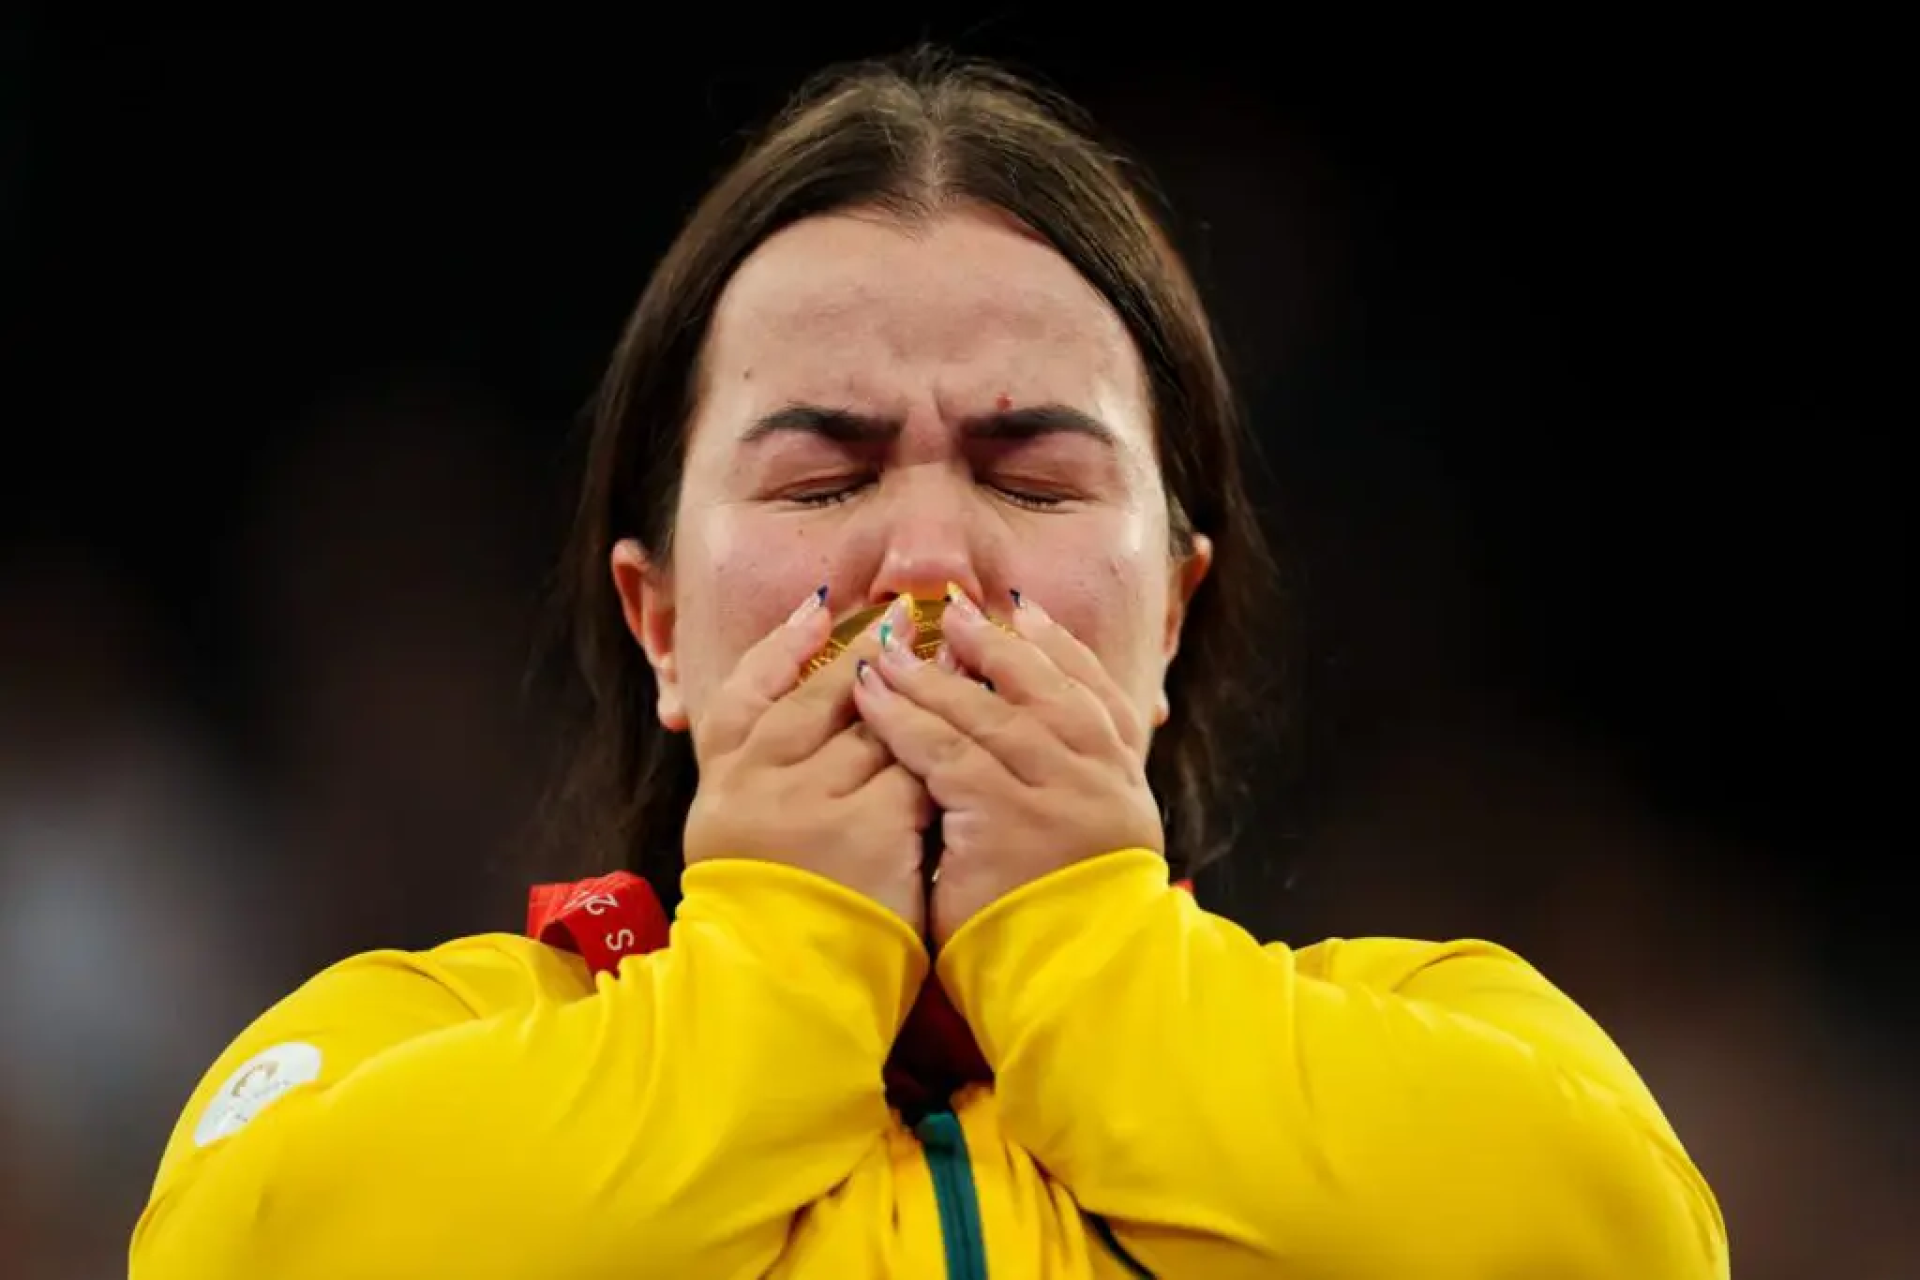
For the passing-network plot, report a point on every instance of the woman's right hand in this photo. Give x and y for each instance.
(789, 773)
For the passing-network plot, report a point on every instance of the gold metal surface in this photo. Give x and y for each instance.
(926, 631)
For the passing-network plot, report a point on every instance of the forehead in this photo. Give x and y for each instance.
(859, 306)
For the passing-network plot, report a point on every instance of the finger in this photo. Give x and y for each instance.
(1082, 666)
(1021, 672)
(799, 724)
(765, 673)
(948, 730)
(944, 658)
(1013, 666)
(850, 759)
(897, 787)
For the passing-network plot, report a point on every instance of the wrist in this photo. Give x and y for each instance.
(819, 939)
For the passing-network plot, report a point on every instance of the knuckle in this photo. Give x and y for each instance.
(772, 736)
(1003, 727)
(739, 704)
(1087, 719)
(950, 751)
(1090, 709)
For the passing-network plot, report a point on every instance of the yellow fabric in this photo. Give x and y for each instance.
(1375, 1108)
(1355, 1109)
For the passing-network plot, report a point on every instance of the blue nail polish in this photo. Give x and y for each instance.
(820, 593)
(1015, 593)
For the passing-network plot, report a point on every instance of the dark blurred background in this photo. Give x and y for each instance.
(1560, 344)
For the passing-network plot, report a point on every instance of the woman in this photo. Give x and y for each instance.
(932, 1003)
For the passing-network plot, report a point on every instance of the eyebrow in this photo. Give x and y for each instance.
(844, 426)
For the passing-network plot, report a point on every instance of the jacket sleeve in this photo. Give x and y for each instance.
(1376, 1108)
(474, 1114)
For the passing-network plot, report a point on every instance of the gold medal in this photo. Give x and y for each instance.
(926, 632)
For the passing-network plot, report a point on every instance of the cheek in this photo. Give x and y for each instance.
(1109, 590)
(736, 583)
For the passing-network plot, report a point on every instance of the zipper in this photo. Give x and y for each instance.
(945, 1144)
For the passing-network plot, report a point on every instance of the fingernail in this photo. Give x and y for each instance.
(1031, 610)
(860, 670)
(898, 657)
(816, 599)
(895, 621)
(945, 660)
(960, 600)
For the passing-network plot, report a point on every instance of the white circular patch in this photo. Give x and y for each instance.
(253, 1088)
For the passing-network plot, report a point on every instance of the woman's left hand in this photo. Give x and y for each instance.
(1045, 769)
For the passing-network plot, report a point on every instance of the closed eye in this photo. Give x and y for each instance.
(828, 495)
(839, 491)
(1028, 499)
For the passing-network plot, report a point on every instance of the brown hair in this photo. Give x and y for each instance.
(909, 136)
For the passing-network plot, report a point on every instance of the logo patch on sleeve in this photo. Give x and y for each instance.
(251, 1089)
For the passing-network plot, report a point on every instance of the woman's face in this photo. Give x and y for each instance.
(887, 409)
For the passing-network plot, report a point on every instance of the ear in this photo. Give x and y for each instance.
(1187, 573)
(646, 602)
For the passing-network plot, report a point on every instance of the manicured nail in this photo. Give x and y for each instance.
(816, 599)
(861, 669)
(1027, 612)
(899, 657)
(899, 614)
(960, 600)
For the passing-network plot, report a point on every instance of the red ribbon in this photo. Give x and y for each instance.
(603, 920)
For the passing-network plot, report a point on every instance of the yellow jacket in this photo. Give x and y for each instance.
(1170, 1098)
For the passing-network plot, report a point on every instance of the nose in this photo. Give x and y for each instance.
(929, 540)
